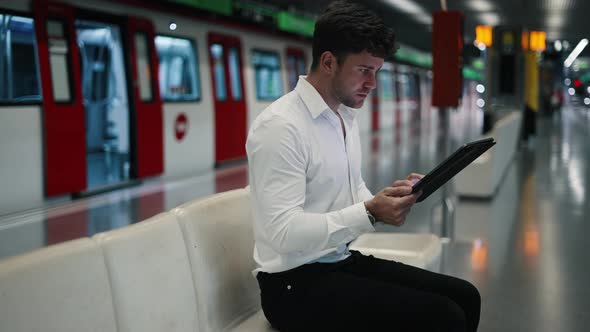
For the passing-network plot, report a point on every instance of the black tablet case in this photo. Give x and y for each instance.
(451, 166)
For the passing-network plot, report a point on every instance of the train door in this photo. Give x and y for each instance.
(63, 111)
(225, 56)
(383, 110)
(145, 99)
(402, 92)
(375, 110)
(105, 100)
(296, 66)
(416, 99)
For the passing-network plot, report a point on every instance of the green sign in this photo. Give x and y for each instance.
(256, 8)
(585, 78)
(296, 24)
(472, 74)
(478, 64)
(413, 57)
(582, 64)
(217, 6)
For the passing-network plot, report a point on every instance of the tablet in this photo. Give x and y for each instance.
(451, 166)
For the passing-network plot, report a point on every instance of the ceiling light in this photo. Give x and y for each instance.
(579, 48)
(489, 18)
(414, 9)
(424, 18)
(565, 44)
(555, 21)
(557, 45)
(407, 6)
(480, 5)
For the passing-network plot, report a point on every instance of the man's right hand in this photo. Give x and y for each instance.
(392, 204)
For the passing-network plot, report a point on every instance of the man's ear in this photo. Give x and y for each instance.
(328, 62)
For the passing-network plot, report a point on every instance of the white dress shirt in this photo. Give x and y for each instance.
(305, 178)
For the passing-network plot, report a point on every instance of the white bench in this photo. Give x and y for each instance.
(482, 177)
(420, 250)
(184, 270)
(61, 288)
(220, 241)
(150, 276)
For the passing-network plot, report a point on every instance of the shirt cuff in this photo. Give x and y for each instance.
(355, 216)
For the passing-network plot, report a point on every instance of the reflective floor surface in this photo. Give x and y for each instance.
(524, 249)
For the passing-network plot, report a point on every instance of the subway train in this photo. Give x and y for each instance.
(101, 94)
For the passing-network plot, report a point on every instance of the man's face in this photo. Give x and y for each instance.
(355, 77)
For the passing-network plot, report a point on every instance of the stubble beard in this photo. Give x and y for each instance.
(343, 97)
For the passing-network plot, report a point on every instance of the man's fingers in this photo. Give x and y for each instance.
(401, 219)
(401, 183)
(398, 191)
(407, 201)
(415, 176)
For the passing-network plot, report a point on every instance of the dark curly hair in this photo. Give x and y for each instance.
(346, 28)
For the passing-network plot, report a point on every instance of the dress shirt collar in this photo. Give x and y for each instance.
(315, 102)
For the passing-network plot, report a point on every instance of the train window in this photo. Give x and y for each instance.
(19, 69)
(59, 61)
(267, 70)
(403, 85)
(385, 84)
(144, 70)
(179, 75)
(295, 68)
(234, 74)
(218, 72)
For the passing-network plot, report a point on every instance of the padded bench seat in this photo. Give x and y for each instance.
(255, 323)
(420, 250)
(61, 288)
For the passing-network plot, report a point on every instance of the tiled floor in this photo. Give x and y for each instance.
(524, 249)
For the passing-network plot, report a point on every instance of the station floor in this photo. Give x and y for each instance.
(525, 249)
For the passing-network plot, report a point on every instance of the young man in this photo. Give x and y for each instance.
(310, 201)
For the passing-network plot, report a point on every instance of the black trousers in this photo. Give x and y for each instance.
(363, 293)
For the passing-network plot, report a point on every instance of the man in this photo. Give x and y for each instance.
(309, 201)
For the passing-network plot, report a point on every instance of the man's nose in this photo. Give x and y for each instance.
(371, 82)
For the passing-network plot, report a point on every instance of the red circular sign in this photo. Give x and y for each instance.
(180, 126)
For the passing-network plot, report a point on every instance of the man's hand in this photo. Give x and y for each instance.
(414, 177)
(392, 204)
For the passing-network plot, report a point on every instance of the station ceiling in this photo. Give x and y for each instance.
(412, 19)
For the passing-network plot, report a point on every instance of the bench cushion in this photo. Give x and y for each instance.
(150, 276)
(220, 242)
(420, 250)
(254, 323)
(60, 288)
